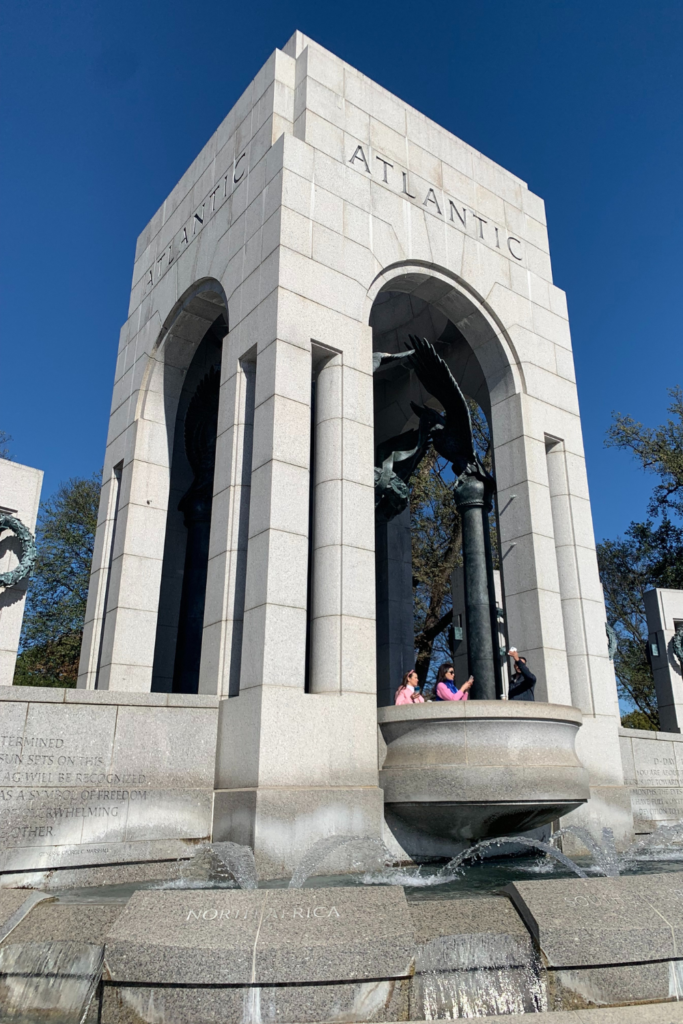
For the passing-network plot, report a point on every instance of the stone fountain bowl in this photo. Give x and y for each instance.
(461, 771)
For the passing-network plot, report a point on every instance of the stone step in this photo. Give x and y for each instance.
(644, 1013)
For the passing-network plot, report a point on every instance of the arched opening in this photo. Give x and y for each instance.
(188, 373)
(415, 620)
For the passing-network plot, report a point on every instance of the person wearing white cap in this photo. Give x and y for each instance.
(523, 680)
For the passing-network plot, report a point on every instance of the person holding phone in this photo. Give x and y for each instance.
(523, 680)
(445, 684)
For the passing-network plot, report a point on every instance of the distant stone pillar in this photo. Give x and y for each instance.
(327, 524)
(664, 613)
(394, 598)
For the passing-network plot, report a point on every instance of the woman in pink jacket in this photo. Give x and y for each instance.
(406, 693)
(445, 685)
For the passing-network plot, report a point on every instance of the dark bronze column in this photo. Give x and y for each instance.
(473, 499)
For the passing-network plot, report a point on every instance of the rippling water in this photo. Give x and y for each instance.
(421, 883)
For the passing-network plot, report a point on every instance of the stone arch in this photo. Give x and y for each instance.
(202, 306)
(186, 359)
(414, 298)
(475, 319)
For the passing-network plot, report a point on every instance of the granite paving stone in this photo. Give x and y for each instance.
(603, 921)
(15, 904)
(654, 1013)
(63, 922)
(352, 1001)
(262, 937)
(461, 934)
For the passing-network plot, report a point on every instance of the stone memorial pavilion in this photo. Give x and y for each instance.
(248, 618)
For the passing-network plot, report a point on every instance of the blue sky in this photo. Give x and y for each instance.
(105, 105)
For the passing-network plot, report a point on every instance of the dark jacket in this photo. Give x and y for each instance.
(522, 683)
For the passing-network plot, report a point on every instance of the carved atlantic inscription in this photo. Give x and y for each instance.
(219, 194)
(437, 202)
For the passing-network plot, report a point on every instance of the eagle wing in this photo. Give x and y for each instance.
(435, 376)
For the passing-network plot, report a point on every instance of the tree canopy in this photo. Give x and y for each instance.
(5, 439)
(57, 593)
(650, 554)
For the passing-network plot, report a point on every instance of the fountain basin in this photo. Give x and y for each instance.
(461, 771)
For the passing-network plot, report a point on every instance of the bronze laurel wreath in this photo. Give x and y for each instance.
(28, 550)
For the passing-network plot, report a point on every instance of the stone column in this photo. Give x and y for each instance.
(567, 553)
(227, 569)
(395, 621)
(326, 542)
(528, 563)
(292, 766)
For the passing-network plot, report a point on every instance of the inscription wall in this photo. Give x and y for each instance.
(91, 782)
(653, 767)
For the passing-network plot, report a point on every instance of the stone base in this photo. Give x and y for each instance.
(458, 772)
(592, 987)
(280, 825)
(55, 879)
(608, 807)
(350, 1001)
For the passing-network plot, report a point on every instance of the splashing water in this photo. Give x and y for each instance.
(477, 975)
(605, 856)
(409, 877)
(221, 862)
(665, 838)
(476, 852)
(482, 992)
(48, 981)
(317, 853)
(229, 863)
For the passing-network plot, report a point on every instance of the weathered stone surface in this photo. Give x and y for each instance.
(299, 1004)
(590, 987)
(62, 922)
(93, 782)
(469, 933)
(433, 919)
(657, 1013)
(464, 934)
(261, 937)
(48, 981)
(15, 904)
(598, 921)
(485, 768)
(473, 957)
(143, 870)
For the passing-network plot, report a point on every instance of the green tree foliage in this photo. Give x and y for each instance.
(659, 450)
(57, 593)
(650, 554)
(5, 439)
(436, 533)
